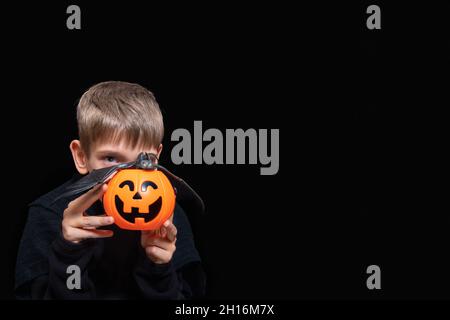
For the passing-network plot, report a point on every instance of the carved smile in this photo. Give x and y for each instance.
(153, 211)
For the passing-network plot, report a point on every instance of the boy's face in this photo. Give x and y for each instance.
(104, 155)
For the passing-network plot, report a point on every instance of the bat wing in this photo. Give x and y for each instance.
(186, 195)
(94, 178)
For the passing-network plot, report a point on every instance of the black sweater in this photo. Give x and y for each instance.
(111, 268)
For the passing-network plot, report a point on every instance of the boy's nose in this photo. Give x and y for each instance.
(137, 196)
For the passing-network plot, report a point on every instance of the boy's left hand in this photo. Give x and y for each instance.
(159, 244)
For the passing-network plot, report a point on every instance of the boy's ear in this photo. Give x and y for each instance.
(79, 157)
(159, 150)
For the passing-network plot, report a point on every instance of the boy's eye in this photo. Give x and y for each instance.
(110, 159)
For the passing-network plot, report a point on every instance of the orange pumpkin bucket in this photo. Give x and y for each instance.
(139, 199)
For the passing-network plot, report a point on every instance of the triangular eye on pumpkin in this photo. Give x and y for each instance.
(139, 199)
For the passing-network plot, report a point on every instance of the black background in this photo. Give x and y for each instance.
(360, 113)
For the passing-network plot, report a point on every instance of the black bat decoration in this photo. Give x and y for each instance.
(186, 196)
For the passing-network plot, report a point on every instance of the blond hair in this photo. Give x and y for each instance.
(115, 110)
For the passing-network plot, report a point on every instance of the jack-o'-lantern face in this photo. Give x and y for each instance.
(139, 199)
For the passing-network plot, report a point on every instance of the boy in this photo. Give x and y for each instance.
(116, 121)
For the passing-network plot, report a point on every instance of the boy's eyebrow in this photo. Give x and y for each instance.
(111, 153)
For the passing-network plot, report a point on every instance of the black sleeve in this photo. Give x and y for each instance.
(193, 280)
(163, 282)
(62, 255)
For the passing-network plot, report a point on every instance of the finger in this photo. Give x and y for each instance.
(163, 228)
(77, 234)
(152, 241)
(85, 201)
(93, 221)
(161, 243)
(145, 234)
(158, 255)
(92, 234)
(85, 214)
(171, 232)
(163, 231)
